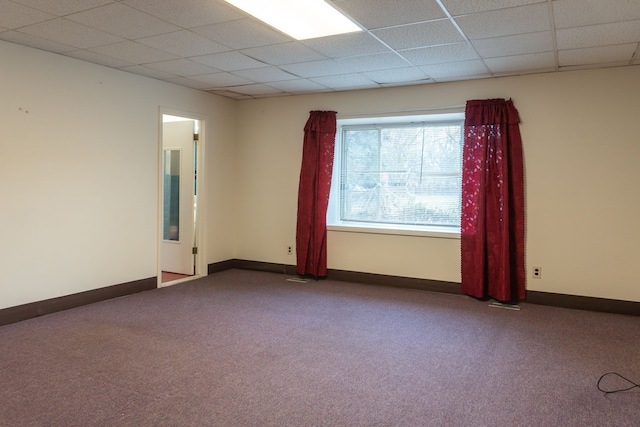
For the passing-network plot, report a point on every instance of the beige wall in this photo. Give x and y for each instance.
(79, 175)
(581, 157)
(79, 152)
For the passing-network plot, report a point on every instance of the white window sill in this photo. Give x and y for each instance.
(433, 232)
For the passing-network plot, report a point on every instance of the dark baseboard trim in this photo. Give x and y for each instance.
(584, 303)
(40, 308)
(533, 297)
(217, 267)
(395, 281)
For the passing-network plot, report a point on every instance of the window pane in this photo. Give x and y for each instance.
(408, 174)
(171, 220)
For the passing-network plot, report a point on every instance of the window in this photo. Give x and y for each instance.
(398, 174)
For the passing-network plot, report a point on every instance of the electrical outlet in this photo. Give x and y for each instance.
(537, 272)
(289, 250)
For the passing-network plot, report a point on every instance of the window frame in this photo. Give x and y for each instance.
(334, 223)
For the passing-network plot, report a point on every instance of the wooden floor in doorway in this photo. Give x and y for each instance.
(170, 277)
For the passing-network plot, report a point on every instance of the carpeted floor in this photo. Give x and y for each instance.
(245, 348)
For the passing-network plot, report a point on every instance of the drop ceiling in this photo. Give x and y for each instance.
(210, 45)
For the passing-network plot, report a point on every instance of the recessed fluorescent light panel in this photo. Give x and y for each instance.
(301, 19)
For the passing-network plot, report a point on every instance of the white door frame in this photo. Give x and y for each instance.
(200, 224)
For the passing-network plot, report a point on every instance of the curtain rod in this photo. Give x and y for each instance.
(414, 110)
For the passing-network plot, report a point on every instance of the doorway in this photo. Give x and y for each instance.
(178, 251)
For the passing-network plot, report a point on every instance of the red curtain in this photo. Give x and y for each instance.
(313, 193)
(492, 223)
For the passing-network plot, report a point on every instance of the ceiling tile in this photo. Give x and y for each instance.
(133, 52)
(299, 85)
(35, 42)
(123, 20)
(381, 14)
(345, 44)
(63, 7)
(440, 72)
(621, 54)
(325, 67)
(517, 20)
(186, 81)
(465, 7)
(376, 61)
(514, 45)
(183, 43)
(346, 81)
(70, 33)
(97, 58)
(574, 13)
(229, 61)
(197, 14)
(14, 15)
(418, 35)
(148, 72)
(242, 34)
(599, 35)
(397, 75)
(348, 65)
(284, 53)
(182, 67)
(265, 74)
(255, 89)
(440, 54)
(222, 80)
(522, 64)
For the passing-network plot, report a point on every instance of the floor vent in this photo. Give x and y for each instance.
(497, 304)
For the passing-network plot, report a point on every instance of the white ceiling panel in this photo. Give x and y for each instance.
(188, 82)
(35, 42)
(440, 54)
(123, 20)
(505, 22)
(467, 7)
(538, 62)
(379, 14)
(222, 80)
(194, 13)
(515, 45)
(346, 81)
(229, 61)
(619, 54)
(96, 58)
(402, 42)
(182, 67)
(148, 72)
(133, 52)
(418, 35)
(63, 7)
(242, 34)
(70, 33)
(298, 86)
(13, 15)
(255, 90)
(347, 45)
(265, 74)
(183, 43)
(455, 70)
(599, 35)
(284, 53)
(397, 75)
(575, 13)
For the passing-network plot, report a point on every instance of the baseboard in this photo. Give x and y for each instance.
(40, 308)
(584, 303)
(533, 297)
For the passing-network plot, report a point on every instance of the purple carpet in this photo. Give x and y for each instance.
(246, 348)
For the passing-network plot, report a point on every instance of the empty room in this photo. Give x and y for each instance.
(422, 214)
